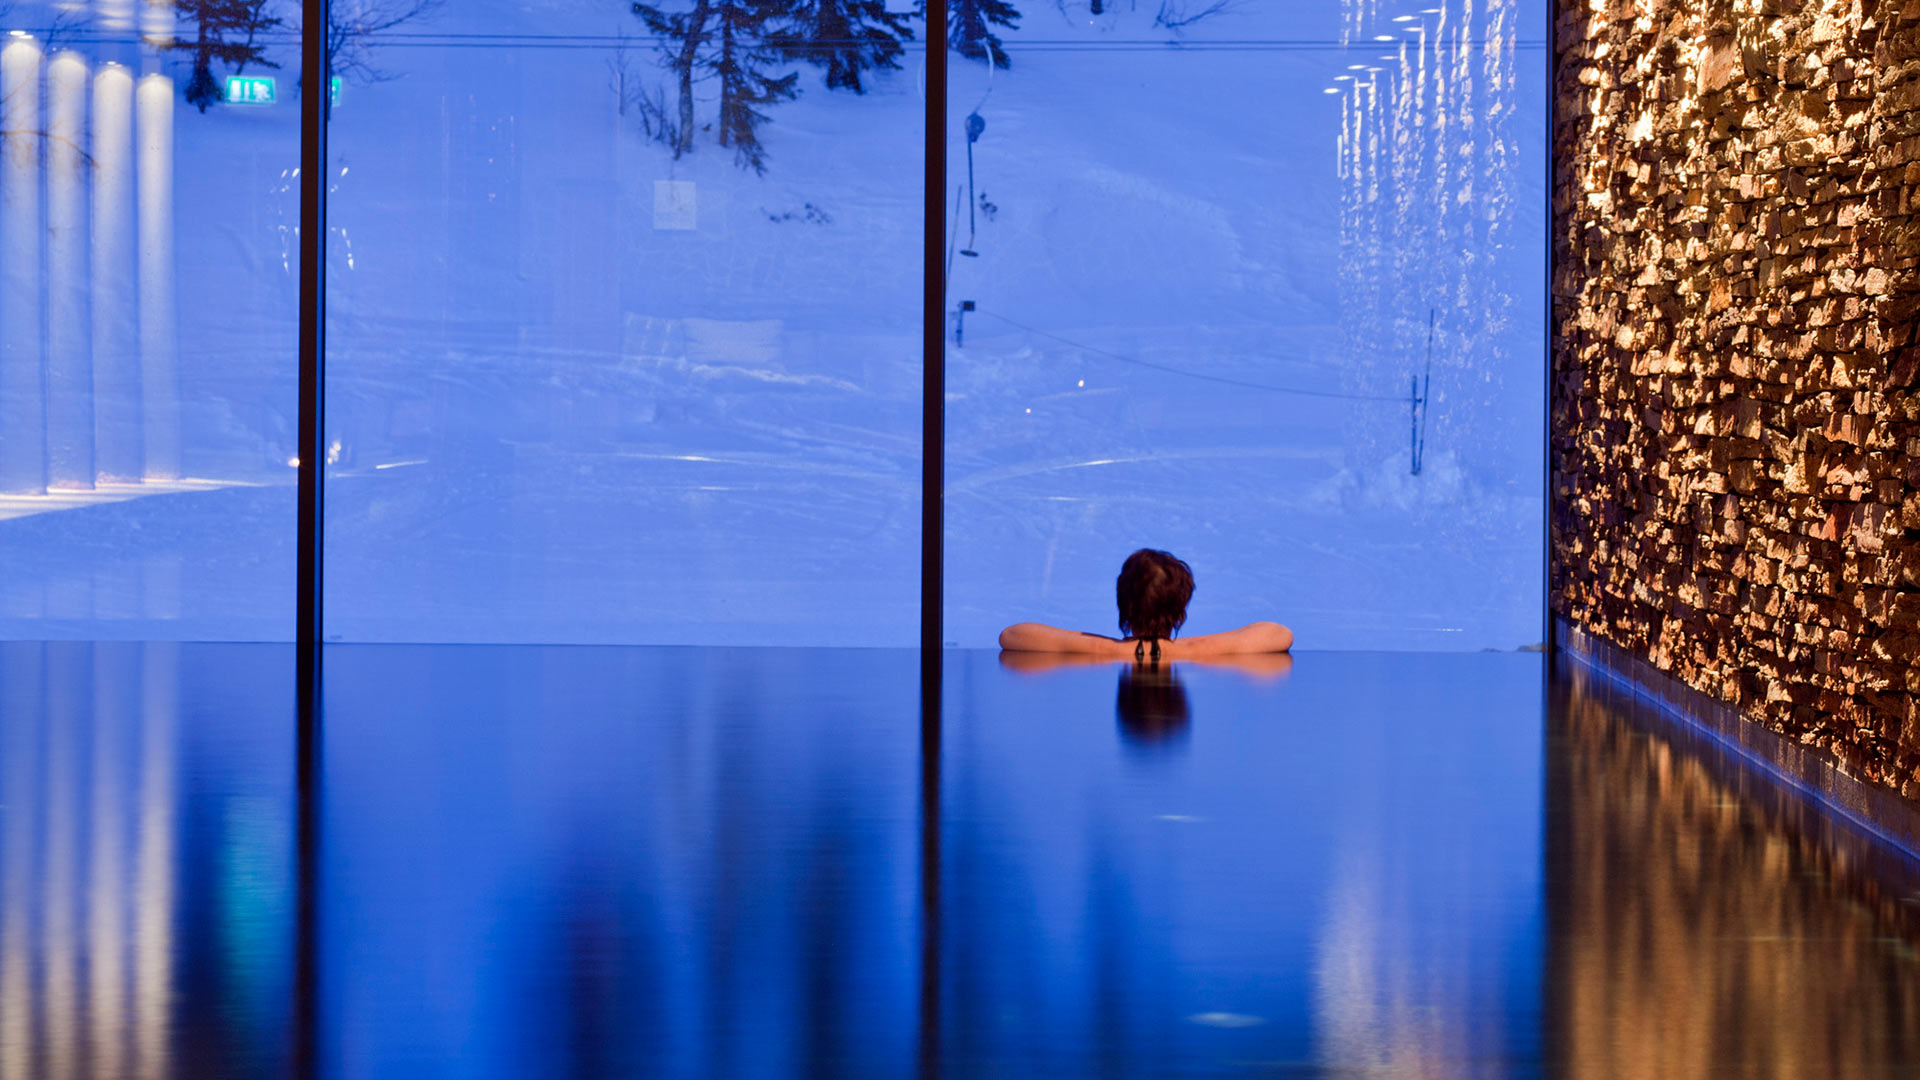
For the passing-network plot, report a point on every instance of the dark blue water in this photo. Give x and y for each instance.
(582, 862)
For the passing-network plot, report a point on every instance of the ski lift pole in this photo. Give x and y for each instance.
(953, 236)
(1413, 424)
(1426, 394)
(976, 124)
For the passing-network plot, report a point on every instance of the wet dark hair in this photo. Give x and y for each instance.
(1152, 591)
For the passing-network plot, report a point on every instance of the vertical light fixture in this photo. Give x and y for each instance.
(69, 322)
(23, 417)
(159, 333)
(115, 342)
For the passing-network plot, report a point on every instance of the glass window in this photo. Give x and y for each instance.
(1261, 285)
(148, 325)
(614, 357)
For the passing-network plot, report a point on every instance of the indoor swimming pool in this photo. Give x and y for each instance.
(608, 862)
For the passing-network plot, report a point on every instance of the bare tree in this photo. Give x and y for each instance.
(52, 38)
(640, 98)
(352, 26)
(1177, 15)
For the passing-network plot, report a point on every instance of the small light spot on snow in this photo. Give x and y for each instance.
(1331, 90)
(1029, 411)
(1083, 382)
(1383, 37)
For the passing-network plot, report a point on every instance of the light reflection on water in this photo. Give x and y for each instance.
(131, 776)
(646, 862)
(1706, 923)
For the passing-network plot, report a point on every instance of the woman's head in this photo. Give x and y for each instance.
(1152, 592)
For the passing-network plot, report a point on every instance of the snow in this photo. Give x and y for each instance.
(556, 421)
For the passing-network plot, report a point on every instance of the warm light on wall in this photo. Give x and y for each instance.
(23, 438)
(116, 343)
(69, 329)
(159, 336)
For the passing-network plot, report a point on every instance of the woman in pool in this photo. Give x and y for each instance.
(1152, 592)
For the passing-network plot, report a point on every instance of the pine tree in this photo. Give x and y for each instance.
(847, 37)
(683, 33)
(226, 30)
(970, 29)
(731, 40)
(742, 54)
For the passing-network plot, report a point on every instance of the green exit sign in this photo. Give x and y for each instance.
(249, 90)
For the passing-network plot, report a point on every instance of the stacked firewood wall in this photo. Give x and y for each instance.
(1736, 373)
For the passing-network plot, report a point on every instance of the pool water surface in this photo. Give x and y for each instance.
(610, 862)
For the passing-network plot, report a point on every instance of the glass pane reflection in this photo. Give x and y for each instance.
(148, 332)
(146, 809)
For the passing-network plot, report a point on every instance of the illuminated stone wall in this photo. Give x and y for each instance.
(1736, 384)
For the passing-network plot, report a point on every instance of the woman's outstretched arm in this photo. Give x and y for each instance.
(1260, 637)
(1039, 637)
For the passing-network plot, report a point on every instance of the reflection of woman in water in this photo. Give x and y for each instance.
(1151, 705)
(1152, 591)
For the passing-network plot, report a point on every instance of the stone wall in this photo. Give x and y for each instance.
(1736, 376)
